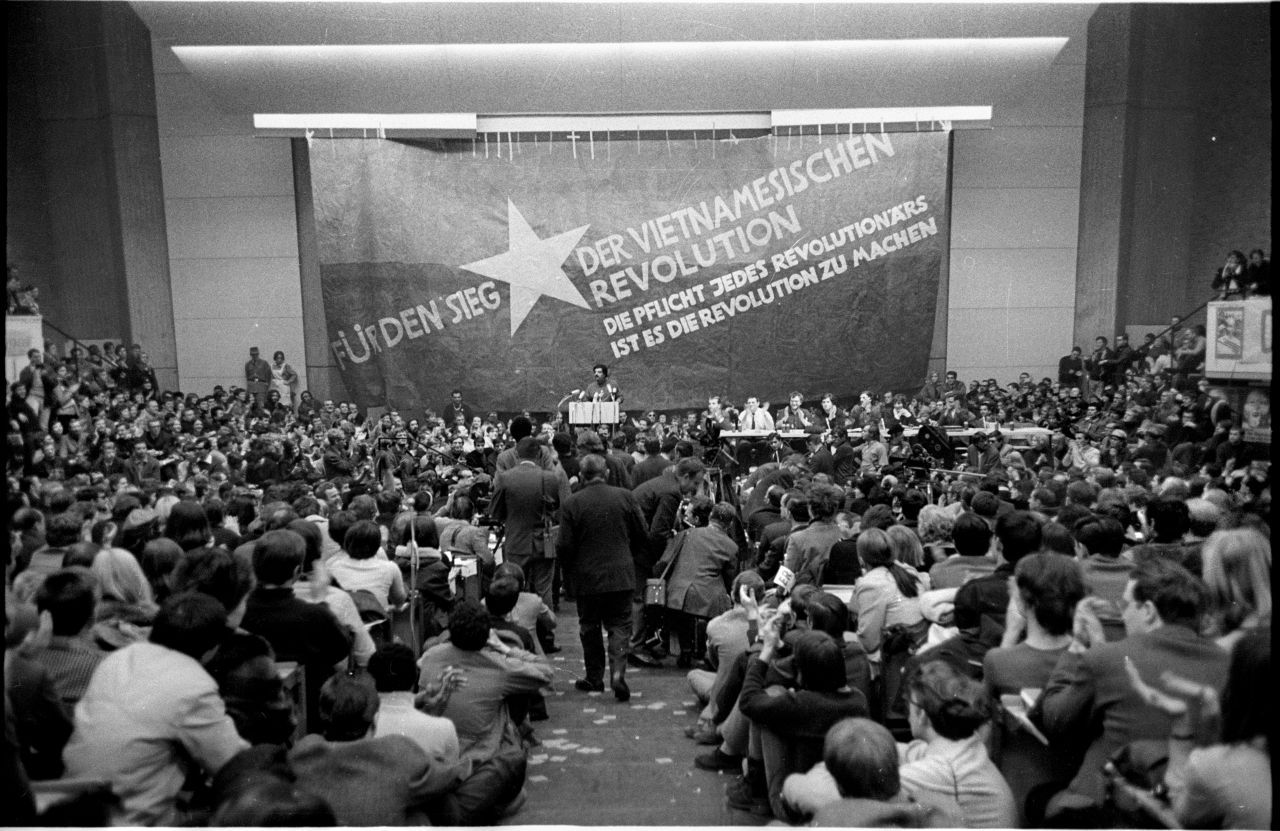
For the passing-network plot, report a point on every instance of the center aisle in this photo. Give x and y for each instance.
(602, 762)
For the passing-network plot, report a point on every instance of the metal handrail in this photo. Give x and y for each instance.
(1182, 322)
(55, 327)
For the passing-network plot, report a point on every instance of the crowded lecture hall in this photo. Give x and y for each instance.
(638, 414)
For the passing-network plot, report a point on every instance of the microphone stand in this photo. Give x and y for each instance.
(568, 424)
(413, 587)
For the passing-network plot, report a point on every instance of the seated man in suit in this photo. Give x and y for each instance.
(1089, 690)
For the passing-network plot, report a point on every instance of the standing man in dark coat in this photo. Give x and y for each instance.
(257, 376)
(523, 497)
(654, 462)
(1071, 369)
(456, 407)
(602, 535)
(659, 496)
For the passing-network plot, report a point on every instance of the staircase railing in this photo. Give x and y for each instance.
(1182, 321)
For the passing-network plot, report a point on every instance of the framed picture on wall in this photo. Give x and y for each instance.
(1255, 415)
(1239, 334)
(1228, 341)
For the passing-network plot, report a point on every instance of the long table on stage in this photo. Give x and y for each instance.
(1009, 434)
(786, 435)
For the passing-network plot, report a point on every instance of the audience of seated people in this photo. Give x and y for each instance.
(1012, 630)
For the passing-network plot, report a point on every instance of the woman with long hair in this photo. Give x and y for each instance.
(934, 528)
(1237, 570)
(127, 608)
(888, 594)
(908, 550)
(188, 526)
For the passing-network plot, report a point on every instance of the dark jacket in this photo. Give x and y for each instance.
(650, 467)
(842, 568)
(523, 495)
(602, 536)
(307, 633)
(386, 780)
(798, 713)
(703, 572)
(1089, 694)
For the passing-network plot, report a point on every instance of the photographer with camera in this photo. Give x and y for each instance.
(526, 500)
(788, 727)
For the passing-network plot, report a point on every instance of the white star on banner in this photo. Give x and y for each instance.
(532, 266)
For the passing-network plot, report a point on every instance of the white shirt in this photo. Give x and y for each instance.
(397, 715)
(374, 575)
(147, 711)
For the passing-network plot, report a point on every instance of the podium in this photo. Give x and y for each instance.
(582, 413)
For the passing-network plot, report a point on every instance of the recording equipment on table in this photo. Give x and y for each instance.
(937, 444)
(720, 486)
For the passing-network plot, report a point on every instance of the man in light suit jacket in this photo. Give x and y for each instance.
(1089, 694)
(523, 496)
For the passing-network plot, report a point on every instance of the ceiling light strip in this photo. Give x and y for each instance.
(469, 125)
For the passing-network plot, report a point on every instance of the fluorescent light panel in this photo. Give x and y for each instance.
(623, 122)
(901, 47)
(882, 115)
(347, 125)
(468, 125)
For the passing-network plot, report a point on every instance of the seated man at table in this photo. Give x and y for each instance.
(794, 416)
(755, 419)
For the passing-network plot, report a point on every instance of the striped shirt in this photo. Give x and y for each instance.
(70, 662)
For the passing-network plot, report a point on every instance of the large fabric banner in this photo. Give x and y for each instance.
(738, 267)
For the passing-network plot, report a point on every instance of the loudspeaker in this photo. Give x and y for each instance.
(937, 443)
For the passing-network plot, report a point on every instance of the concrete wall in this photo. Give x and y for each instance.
(233, 236)
(1177, 158)
(1017, 209)
(1015, 195)
(1015, 198)
(1232, 140)
(84, 194)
